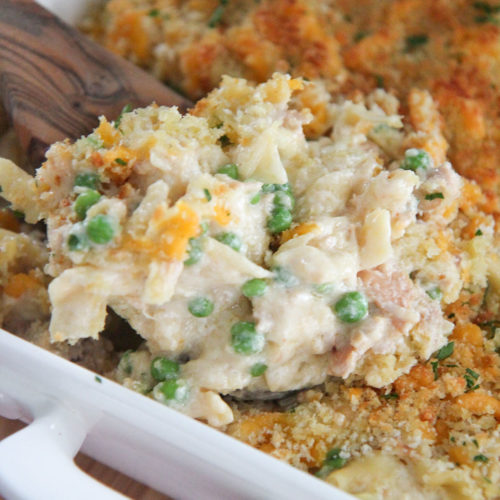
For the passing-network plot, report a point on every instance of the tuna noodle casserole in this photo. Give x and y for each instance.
(255, 262)
(305, 268)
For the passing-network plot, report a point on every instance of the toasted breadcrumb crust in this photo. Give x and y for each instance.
(449, 47)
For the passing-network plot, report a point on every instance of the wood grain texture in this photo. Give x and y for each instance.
(106, 475)
(55, 82)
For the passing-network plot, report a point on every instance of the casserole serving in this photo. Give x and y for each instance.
(373, 231)
(69, 405)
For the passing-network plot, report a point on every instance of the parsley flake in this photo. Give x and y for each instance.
(208, 196)
(480, 458)
(445, 351)
(224, 141)
(333, 461)
(217, 14)
(470, 378)
(120, 162)
(434, 196)
(414, 42)
(435, 371)
(487, 8)
(126, 109)
(360, 35)
(380, 81)
(391, 395)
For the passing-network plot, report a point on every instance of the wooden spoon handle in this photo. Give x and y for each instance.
(55, 82)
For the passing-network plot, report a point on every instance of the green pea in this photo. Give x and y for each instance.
(164, 369)
(171, 390)
(415, 159)
(245, 339)
(77, 242)
(200, 307)
(84, 201)
(87, 179)
(195, 251)
(284, 199)
(351, 307)
(280, 220)
(435, 293)
(230, 239)
(231, 170)
(258, 369)
(100, 229)
(254, 288)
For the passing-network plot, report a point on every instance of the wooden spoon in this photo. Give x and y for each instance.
(55, 82)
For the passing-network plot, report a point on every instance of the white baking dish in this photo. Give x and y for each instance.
(70, 408)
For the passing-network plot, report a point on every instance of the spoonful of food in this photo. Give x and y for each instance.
(55, 82)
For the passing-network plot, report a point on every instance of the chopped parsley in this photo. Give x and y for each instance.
(391, 395)
(476, 444)
(360, 35)
(333, 461)
(445, 351)
(154, 13)
(414, 42)
(18, 214)
(478, 233)
(98, 379)
(487, 13)
(480, 458)
(126, 109)
(208, 196)
(121, 162)
(224, 141)
(217, 14)
(471, 378)
(452, 439)
(435, 369)
(487, 8)
(380, 81)
(434, 196)
(486, 19)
